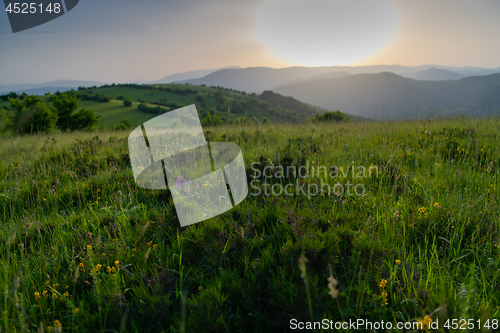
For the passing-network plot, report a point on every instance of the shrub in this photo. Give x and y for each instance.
(123, 124)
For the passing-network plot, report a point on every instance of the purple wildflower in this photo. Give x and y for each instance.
(178, 183)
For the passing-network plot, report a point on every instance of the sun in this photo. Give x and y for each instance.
(326, 32)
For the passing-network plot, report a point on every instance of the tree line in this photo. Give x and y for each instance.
(31, 114)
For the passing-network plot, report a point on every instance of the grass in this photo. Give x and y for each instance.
(85, 248)
(114, 111)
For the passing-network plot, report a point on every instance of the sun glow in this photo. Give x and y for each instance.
(326, 32)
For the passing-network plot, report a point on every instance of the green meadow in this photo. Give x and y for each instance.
(86, 250)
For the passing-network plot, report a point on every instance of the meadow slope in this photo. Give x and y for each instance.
(85, 249)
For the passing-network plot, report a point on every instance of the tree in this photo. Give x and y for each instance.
(31, 115)
(219, 97)
(65, 105)
(211, 121)
(127, 102)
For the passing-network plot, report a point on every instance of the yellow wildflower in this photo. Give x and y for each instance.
(37, 295)
(89, 247)
(44, 293)
(383, 283)
(398, 262)
(75, 311)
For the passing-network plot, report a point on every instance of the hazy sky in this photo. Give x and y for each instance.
(125, 40)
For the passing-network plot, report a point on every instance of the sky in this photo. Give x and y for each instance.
(126, 40)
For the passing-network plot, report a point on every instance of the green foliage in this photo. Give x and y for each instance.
(127, 102)
(123, 124)
(156, 110)
(219, 97)
(210, 120)
(66, 105)
(30, 115)
(8, 96)
(331, 116)
(86, 95)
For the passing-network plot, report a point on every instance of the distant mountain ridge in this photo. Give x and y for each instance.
(39, 88)
(390, 96)
(177, 77)
(258, 79)
(434, 74)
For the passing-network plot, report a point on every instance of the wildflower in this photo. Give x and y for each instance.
(178, 183)
(89, 248)
(384, 296)
(103, 255)
(398, 262)
(67, 287)
(37, 295)
(54, 295)
(108, 270)
(149, 243)
(200, 288)
(436, 204)
(57, 323)
(425, 322)
(55, 285)
(82, 267)
(332, 284)
(117, 264)
(383, 283)
(97, 268)
(154, 246)
(75, 311)
(44, 293)
(66, 294)
(113, 270)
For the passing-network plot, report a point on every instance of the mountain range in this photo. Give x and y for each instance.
(44, 87)
(258, 79)
(378, 92)
(390, 96)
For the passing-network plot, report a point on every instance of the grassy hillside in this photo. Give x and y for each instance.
(85, 249)
(207, 99)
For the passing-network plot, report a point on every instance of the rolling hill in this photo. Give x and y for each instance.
(211, 102)
(390, 96)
